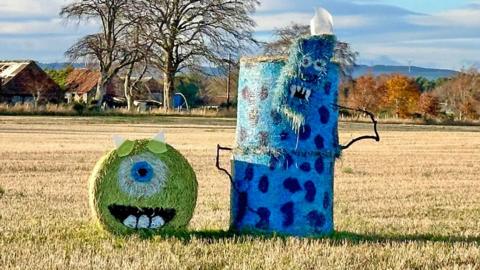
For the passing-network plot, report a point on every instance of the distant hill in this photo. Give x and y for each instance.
(57, 66)
(429, 73)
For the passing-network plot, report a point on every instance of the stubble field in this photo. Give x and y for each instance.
(411, 201)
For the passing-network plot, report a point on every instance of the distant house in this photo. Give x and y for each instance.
(81, 86)
(26, 82)
(149, 88)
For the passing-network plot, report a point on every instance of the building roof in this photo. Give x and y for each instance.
(25, 78)
(82, 81)
(10, 69)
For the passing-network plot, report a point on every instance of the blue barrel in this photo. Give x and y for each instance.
(287, 142)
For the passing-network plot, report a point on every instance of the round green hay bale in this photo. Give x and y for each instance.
(143, 191)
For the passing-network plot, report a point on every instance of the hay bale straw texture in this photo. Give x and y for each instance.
(124, 201)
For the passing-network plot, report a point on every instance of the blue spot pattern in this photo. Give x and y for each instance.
(264, 215)
(242, 206)
(324, 115)
(305, 167)
(311, 191)
(249, 172)
(288, 162)
(305, 132)
(287, 210)
(326, 201)
(319, 142)
(291, 184)
(316, 219)
(319, 166)
(289, 189)
(263, 184)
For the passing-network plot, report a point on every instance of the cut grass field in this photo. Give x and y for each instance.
(411, 201)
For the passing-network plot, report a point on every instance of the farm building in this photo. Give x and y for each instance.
(149, 88)
(81, 86)
(26, 82)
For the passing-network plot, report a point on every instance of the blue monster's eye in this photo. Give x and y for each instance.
(142, 172)
(320, 66)
(307, 61)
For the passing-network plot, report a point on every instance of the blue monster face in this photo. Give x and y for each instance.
(299, 86)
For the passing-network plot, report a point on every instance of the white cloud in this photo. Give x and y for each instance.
(25, 8)
(268, 22)
(49, 26)
(456, 17)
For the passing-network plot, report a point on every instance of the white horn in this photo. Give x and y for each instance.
(160, 137)
(118, 141)
(322, 23)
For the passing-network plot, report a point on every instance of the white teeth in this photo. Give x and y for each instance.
(293, 89)
(157, 222)
(143, 222)
(307, 96)
(131, 222)
(303, 91)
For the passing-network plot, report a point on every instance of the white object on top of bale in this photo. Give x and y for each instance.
(321, 23)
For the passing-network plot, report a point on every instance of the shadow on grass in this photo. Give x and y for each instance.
(338, 238)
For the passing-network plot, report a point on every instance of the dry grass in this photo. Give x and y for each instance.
(412, 201)
(68, 110)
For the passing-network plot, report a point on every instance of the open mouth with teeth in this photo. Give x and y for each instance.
(300, 92)
(142, 218)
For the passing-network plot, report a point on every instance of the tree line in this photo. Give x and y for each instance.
(399, 96)
(167, 35)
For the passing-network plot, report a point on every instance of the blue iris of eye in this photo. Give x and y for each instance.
(142, 172)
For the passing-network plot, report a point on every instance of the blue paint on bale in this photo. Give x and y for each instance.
(290, 188)
(316, 219)
(264, 215)
(263, 184)
(319, 165)
(305, 132)
(287, 210)
(291, 184)
(288, 162)
(326, 201)
(324, 114)
(305, 167)
(311, 191)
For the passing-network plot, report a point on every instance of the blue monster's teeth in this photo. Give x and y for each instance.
(296, 89)
(293, 90)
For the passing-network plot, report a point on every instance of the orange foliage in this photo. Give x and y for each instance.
(403, 95)
(429, 104)
(368, 93)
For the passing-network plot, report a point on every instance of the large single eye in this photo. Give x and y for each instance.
(307, 61)
(320, 66)
(142, 176)
(142, 172)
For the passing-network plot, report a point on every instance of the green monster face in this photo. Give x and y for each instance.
(143, 185)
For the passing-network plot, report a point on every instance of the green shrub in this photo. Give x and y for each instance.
(79, 108)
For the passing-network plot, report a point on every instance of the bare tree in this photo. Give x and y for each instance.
(110, 47)
(192, 33)
(285, 36)
(344, 54)
(461, 94)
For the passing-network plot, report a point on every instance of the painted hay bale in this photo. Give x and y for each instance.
(284, 162)
(144, 185)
